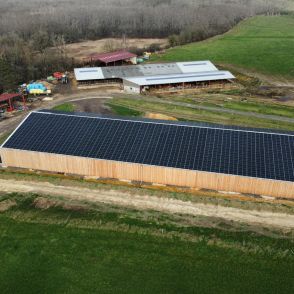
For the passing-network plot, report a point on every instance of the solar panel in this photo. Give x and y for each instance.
(86, 71)
(227, 150)
(193, 64)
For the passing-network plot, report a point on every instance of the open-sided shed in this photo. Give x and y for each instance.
(6, 100)
(141, 84)
(113, 58)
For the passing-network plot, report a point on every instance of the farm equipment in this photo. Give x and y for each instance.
(147, 55)
(58, 75)
(61, 77)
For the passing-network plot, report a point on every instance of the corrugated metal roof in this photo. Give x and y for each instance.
(196, 66)
(113, 72)
(181, 78)
(112, 56)
(89, 74)
(5, 97)
(148, 69)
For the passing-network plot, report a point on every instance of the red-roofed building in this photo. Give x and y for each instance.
(6, 100)
(113, 58)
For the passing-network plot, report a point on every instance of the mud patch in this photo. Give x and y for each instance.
(6, 205)
(93, 105)
(44, 203)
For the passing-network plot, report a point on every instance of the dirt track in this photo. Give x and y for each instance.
(8, 125)
(166, 205)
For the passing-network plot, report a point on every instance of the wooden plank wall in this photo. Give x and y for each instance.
(145, 173)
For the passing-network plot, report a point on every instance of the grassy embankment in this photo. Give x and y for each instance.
(262, 44)
(66, 107)
(192, 114)
(77, 248)
(116, 109)
(3, 138)
(234, 103)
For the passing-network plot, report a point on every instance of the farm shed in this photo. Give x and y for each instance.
(113, 58)
(7, 100)
(196, 155)
(180, 81)
(117, 73)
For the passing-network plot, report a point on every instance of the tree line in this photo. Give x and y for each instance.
(29, 28)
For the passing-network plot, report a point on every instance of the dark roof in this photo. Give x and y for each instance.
(204, 147)
(112, 57)
(6, 97)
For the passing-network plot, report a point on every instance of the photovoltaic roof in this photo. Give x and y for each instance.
(203, 147)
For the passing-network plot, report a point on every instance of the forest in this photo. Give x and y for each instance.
(29, 28)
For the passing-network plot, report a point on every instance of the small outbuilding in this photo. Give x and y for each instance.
(113, 58)
(7, 101)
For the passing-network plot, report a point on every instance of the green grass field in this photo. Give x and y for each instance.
(3, 138)
(244, 106)
(66, 107)
(263, 44)
(123, 111)
(199, 115)
(101, 250)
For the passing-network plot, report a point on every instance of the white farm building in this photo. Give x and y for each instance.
(145, 77)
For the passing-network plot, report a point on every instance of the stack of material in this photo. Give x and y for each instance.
(37, 89)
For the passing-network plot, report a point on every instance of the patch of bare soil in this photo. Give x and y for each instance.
(159, 116)
(146, 202)
(83, 49)
(6, 205)
(92, 105)
(46, 203)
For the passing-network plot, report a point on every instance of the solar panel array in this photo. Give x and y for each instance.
(245, 152)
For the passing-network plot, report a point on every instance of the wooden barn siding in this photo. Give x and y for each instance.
(145, 173)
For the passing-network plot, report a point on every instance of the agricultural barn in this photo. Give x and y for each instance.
(113, 58)
(253, 161)
(175, 82)
(117, 73)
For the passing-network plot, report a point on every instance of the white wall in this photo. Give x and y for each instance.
(133, 60)
(132, 89)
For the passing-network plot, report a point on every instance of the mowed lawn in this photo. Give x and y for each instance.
(263, 44)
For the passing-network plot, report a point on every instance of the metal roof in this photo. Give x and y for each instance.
(243, 152)
(180, 78)
(141, 70)
(196, 66)
(112, 56)
(89, 74)
(6, 97)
